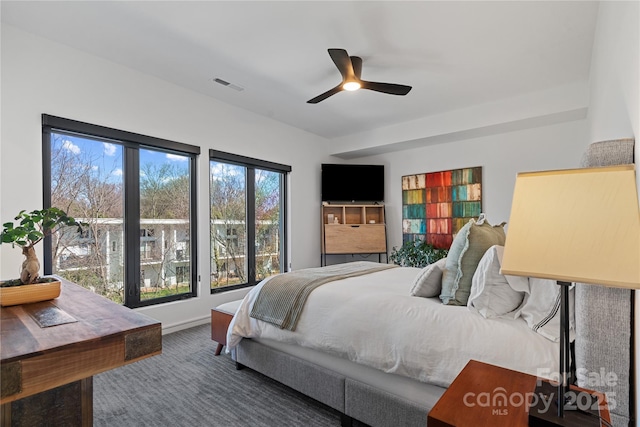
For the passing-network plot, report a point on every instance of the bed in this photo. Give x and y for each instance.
(368, 348)
(377, 354)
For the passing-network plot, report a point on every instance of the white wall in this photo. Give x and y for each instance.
(39, 76)
(614, 110)
(615, 95)
(501, 156)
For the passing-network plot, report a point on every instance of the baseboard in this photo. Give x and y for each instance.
(175, 327)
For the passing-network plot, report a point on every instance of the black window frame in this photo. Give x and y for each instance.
(251, 164)
(131, 143)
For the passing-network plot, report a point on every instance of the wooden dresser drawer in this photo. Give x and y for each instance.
(356, 238)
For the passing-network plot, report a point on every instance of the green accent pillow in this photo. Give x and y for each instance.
(468, 247)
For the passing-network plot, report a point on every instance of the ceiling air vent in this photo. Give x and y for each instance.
(227, 84)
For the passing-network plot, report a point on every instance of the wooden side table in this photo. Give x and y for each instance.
(51, 350)
(488, 395)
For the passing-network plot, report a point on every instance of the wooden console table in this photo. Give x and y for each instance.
(50, 351)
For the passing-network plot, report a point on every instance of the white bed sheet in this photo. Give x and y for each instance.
(373, 320)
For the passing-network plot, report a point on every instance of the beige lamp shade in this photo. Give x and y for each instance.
(576, 225)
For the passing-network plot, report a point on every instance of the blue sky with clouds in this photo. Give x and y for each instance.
(107, 158)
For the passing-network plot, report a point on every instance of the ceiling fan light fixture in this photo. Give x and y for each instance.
(350, 68)
(351, 86)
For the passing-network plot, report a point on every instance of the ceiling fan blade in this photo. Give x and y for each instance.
(356, 62)
(325, 95)
(341, 58)
(390, 88)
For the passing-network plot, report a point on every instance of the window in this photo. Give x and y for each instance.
(247, 220)
(137, 196)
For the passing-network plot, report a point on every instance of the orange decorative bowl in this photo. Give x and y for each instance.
(25, 294)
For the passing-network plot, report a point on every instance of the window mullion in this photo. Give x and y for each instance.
(193, 226)
(251, 225)
(132, 226)
(283, 221)
(46, 195)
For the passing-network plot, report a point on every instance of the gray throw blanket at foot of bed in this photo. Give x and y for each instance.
(282, 297)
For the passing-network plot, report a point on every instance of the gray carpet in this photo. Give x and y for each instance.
(188, 386)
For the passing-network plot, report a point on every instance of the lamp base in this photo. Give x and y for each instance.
(581, 408)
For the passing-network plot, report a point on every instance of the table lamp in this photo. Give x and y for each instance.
(576, 225)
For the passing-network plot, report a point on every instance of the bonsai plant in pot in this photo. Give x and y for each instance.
(31, 228)
(416, 253)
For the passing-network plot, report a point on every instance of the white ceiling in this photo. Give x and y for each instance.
(455, 54)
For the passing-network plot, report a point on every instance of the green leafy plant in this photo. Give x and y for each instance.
(416, 253)
(31, 228)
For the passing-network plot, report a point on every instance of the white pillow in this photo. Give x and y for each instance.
(491, 295)
(428, 282)
(541, 308)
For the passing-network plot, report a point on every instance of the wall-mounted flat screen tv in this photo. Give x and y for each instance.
(352, 183)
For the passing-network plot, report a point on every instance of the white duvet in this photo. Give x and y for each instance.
(373, 320)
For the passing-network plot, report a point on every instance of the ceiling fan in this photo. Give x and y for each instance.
(351, 67)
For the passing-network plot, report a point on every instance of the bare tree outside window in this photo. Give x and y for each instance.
(268, 205)
(86, 182)
(228, 224)
(164, 222)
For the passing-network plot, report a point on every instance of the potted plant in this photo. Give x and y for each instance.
(416, 253)
(31, 228)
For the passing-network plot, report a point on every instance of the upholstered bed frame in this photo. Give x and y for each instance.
(377, 399)
(356, 395)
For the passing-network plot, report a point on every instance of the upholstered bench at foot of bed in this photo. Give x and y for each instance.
(220, 318)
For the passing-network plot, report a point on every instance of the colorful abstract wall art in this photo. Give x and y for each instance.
(435, 205)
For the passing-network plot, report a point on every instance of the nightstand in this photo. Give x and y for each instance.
(488, 395)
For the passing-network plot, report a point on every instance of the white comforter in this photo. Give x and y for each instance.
(373, 320)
